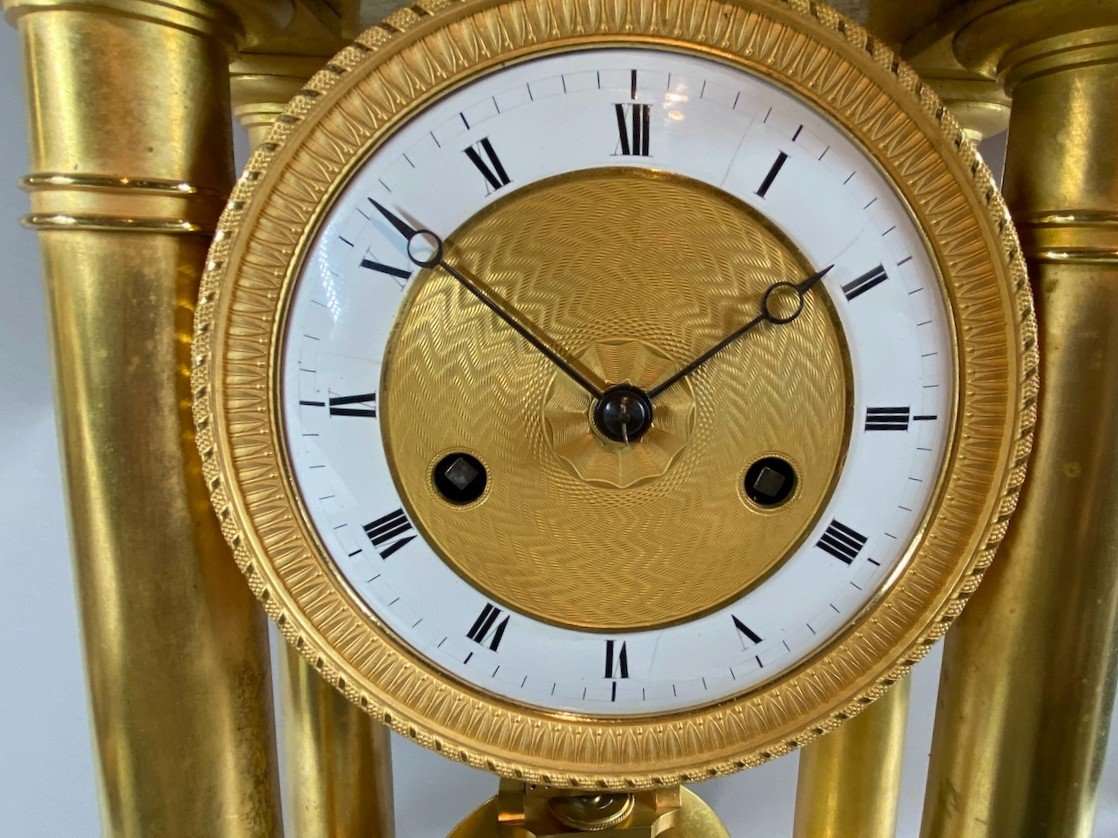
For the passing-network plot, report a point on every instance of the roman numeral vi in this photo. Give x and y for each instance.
(617, 660)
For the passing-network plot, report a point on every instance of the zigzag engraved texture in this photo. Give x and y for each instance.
(690, 268)
(390, 70)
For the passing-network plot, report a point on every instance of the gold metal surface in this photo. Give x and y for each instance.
(529, 812)
(850, 779)
(337, 778)
(675, 498)
(174, 645)
(401, 66)
(337, 767)
(262, 85)
(1028, 678)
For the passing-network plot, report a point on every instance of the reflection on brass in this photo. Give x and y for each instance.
(1028, 679)
(258, 253)
(109, 224)
(521, 811)
(850, 779)
(261, 86)
(337, 778)
(592, 812)
(337, 768)
(675, 497)
(174, 645)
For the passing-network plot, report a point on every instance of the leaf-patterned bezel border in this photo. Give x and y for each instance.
(356, 99)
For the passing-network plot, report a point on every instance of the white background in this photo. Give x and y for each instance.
(46, 755)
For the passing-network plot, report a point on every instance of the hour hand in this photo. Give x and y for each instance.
(781, 303)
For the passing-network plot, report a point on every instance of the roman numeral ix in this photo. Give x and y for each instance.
(388, 534)
(634, 126)
(868, 280)
(483, 156)
(486, 630)
(842, 542)
(617, 660)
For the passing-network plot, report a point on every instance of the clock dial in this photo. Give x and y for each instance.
(632, 206)
(612, 395)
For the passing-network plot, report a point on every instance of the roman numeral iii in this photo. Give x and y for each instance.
(486, 630)
(888, 418)
(868, 280)
(483, 156)
(617, 660)
(388, 534)
(842, 542)
(634, 126)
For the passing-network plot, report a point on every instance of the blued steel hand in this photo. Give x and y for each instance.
(767, 314)
(436, 257)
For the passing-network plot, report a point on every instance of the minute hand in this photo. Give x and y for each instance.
(526, 330)
(766, 314)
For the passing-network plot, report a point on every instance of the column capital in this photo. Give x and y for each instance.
(1019, 39)
(231, 21)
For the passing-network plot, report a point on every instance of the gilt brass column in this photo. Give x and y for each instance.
(337, 772)
(1028, 677)
(131, 163)
(850, 780)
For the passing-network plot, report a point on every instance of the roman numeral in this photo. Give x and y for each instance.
(745, 631)
(489, 165)
(366, 405)
(389, 270)
(842, 542)
(484, 631)
(865, 282)
(888, 418)
(387, 533)
(617, 660)
(781, 159)
(634, 125)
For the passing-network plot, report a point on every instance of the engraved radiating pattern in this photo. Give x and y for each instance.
(252, 261)
(605, 263)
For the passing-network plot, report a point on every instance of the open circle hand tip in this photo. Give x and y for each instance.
(792, 293)
(427, 250)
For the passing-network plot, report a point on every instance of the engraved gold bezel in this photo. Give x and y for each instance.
(359, 98)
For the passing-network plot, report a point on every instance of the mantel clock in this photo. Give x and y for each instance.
(614, 394)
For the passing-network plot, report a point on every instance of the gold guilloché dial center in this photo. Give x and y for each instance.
(633, 274)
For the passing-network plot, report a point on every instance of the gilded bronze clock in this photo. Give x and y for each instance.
(614, 393)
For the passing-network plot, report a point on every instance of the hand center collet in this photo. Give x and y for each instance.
(623, 413)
